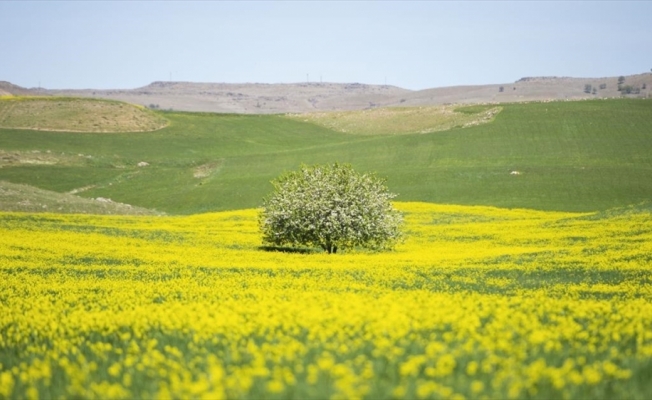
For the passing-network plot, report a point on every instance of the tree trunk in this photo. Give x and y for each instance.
(329, 247)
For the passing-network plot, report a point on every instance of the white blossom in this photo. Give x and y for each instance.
(330, 206)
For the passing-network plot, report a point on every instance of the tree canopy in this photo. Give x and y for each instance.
(330, 206)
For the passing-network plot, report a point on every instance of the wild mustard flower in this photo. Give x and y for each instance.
(170, 307)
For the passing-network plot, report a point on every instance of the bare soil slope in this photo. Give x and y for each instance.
(8, 89)
(258, 98)
(251, 98)
(534, 89)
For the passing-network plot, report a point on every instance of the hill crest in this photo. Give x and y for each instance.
(280, 98)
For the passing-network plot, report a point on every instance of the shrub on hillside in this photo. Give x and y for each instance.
(330, 206)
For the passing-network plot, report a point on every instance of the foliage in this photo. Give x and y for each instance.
(629, 89)
(331, 206)
(188, 307)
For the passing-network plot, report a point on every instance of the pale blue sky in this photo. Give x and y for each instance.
(415, 45)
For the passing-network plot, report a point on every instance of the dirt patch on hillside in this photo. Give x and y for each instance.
(76, 115)
(399, 120)
(207, 170)
(37, 157)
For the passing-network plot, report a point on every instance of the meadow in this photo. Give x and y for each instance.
(478, 302)
(571, 156)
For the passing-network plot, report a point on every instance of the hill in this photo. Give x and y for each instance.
(76, 115)
(536, 89)
(258, 98)
(401, 120)
(566, 156)
(23, 198)
(9, 89)
(250, 98)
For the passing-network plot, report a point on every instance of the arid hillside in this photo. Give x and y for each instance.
(536, 89)
(260, 98)
(70, 114)
(252, 98)
(8, 89)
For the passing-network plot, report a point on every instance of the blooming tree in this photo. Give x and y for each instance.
(330, 206)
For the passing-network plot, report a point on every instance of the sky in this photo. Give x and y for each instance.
(414, 45)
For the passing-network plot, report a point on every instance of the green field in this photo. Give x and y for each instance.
(570, 156)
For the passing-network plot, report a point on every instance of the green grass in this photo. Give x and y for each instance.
(572, 156)
(474, 109)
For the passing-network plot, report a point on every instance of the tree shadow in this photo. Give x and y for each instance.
(295, 250)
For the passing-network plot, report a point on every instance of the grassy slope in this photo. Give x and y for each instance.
(76, 114)
(401, 120)
(574, 156)
(24, 198)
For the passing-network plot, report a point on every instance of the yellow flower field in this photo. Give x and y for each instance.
(477, 303)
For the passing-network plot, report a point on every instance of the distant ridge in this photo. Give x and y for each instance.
(8, 89)
(267, 98)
